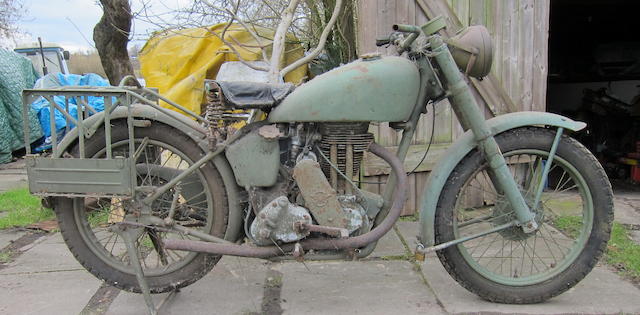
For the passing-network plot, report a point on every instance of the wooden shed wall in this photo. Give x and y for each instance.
(519, 29)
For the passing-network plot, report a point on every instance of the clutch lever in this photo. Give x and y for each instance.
(393, 39)
(383, 41)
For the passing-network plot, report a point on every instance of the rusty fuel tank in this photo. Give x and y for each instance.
(369, 89)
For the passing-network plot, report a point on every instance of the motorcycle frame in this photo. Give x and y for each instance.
(480, 134)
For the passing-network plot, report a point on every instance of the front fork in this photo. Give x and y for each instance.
(470, 116)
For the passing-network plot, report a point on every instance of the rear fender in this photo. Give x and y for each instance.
(145, 112)
(450, 159)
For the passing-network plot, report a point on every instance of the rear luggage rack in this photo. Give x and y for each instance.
(61, 174)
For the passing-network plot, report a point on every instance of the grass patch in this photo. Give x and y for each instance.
(98, 217)
(19, 208)
(274, 280)
(622, 252)
(397, 257)
(146, 242)
(5, 257)
(570, 225)
(568, 205)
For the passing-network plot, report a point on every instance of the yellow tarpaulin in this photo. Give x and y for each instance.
(177, 62)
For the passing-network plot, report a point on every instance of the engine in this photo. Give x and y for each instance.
(299, 176)
(322, 160)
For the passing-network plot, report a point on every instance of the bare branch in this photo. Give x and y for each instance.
(253, 34)
(279, 41)
(321, 43)
(11, 12)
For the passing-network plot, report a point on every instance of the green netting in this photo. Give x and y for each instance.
(16, 74)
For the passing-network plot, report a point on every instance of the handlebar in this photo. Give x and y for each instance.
(414, 32)
(428, 29)
(406, 28)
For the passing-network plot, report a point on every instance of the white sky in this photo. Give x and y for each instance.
(49, 19)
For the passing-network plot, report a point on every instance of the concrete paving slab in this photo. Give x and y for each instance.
(601, 292)
(19, 164)
(7, 236)
(626, 190)
(46, 293)
(365, 287)
(54, 238)
(388, 245)
(12, 180)
(13, 175)
(409, 231)
(43, 257)
(234, 286)
(627, 211)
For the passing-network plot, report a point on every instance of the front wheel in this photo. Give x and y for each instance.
(574, 216)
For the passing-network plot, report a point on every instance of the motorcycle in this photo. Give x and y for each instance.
(149, 200)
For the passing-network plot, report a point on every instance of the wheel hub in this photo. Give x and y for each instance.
(503, 213)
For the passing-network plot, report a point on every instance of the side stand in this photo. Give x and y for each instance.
(128, 234)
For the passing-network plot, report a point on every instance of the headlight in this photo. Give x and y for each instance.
(472, 50)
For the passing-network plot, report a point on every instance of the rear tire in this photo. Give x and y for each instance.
(83, 221)
(578, 219)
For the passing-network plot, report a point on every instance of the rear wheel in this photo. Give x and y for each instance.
(574, 215)
(89, 225)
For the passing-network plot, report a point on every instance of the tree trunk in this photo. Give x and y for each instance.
(111, 36)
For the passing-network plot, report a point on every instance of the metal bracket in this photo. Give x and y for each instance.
(421, 250)
(547, 166)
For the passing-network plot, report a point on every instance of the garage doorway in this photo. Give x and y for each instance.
(594, 76)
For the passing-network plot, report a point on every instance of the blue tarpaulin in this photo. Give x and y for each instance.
(41, 106)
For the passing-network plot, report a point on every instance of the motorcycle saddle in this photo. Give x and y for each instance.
(250, 95)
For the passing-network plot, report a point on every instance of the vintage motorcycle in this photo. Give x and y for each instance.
(149, 200)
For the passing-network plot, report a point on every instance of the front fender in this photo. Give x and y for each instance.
(186, 126)
(439, 175)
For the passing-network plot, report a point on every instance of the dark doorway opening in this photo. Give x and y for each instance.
(594, 76)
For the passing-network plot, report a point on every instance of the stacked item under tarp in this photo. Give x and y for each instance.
(16, 74)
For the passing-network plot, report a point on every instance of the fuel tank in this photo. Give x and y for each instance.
(371, 89)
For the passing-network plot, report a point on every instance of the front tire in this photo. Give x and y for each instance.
(575, 216)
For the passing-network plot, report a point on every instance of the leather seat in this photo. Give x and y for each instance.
(253, 95)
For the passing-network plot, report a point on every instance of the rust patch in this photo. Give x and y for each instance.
(319, 197)
(361, 68)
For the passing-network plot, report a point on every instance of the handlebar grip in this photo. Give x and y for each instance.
(382, 41)
(405, 28)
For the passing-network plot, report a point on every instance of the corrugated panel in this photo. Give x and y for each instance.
(520, 32)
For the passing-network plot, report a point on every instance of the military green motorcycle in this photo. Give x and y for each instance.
(149, 200)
